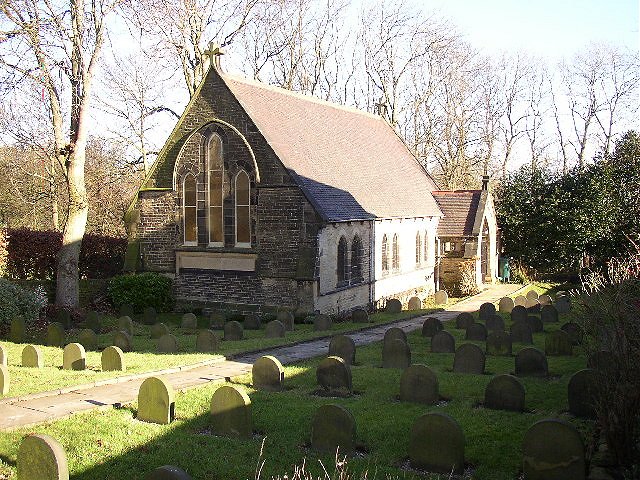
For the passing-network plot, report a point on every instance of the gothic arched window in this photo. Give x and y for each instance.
(418, 249)
(395, 253)
(342, 261)
(356, 260)
(215, 165)
(243, 203)
(385, 254)
(189, 210)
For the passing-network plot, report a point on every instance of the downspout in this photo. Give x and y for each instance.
(438, 265)
(372, 265)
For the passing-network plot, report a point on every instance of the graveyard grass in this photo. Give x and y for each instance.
(113, 444)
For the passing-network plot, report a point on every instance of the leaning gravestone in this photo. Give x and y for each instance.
(17, 330)
(149, 316)
(41, 457)
(123, 341)
(167, 344)
(217, 321)
(189, 322)
(464, 320)
(548, 314)
(499, 343)
(531, 362)
(486, 310)
(168, 472)
(206, 341)
(156, 403)
(287, 318)
(125, 324)
(557, 343)
(553, 449)
(126, 310)
(333, 429)
(419, 384)
(469, 358)
(395, 333)
(55, 335)
(436, 444)
(231, 413)
(333, 374)
(521, 333)
(252, 322)
(581, 393)
(393, 306)
(274, 329)
(544, 300)
(322, 323)
(476, 332)
(4, 379)
(443, 342)
(441, 297)
(396, 354)
(573, 330)
(504, 392)
(519, 313)
(3, 356)
(112, 360)
(267, 373)
(94, 321)
(88, 339)
(415, 303)
(506, 305)
(563, 304)
(343, 347)
(532, 295)
(360, 315)
(64, 318)
(535, 324)
(520, 301)
(233, 331)
(32, 357)
(431, 326)
(74, 357)
(494, 322)
(158, 330)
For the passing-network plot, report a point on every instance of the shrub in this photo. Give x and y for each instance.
(143, 290)
(16, 301)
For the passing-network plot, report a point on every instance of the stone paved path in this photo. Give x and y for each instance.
(23, 412)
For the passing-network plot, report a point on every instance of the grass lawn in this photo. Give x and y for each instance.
(112, 444)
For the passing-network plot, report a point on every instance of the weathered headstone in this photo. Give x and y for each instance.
(464, 320)
(504, 392)
(233, 331)
(603, 361)
(443, 342)
(123, 341)
(158, 330)
(274, 329)
(486, 310)
(231, 413)
(476, 332)
(63, 317)
(532, 305)
(267, 373)
(436, 444)
(168, 472)
(520, 301)
(252, 322)
(207, 341)
(544, 300)
(393, 305)
(287, 319)
(343, 347)
(32, 357)
(156, 401)
(41, 457)
(149, 316)
(518, 314)
(535, 324)
(553, 449)
(334, 375)
(469, 358)
(94, 321)
(4, 379)
(494, 322)
(521, 333)
(55, 335)
(88, 339)
(125, 324)
(531, 362)
(396, 354)
(415, 303)
(431, 326)
(167, 344)
(74, 357)
(573, 330)
(563, 304)
(189, 322)
(126, 310)
(557, 343)
(322, 323)
(217, 320)
(506, 305)
(17, 330)
(395, 333)
(441, 297)
(499, 342)
(532, 295)
(419, 384)
(360, 315)
(582, 393)
(112, 360)
(548, 314)
(333, 429)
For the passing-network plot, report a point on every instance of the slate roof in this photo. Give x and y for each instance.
(460, 208)
(350, 164)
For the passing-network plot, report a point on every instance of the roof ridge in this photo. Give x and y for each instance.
(456, 191)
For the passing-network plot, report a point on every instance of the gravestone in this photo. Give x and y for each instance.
(573, 330)
(126, 310)
(158, 330)
(55, 335)
(494, 322)
(333, 429)
(431, 326)
(415, 303)
(499, 342)
(396, 354)
(533, 305)
(360, 315)
(464, 320)
(334, 375)
(532, 295)
(521, 333)
(4, 379)
(41, 457)
(476, 332)
(553, 449)
(531, 362)
(519, 314)
(167, 344)
(563, 304)
(217, 321)
(535, 324)
(267, 373)
(149, 316)
(189, 322)
(231, 413)
(168, 472)
(321, 323)
(436, 444)
(544, 300)
(88, 339)
(286, 318)
(32, 357)
(603, 361)
(112, 360)
(206, 341)
(557, 343)
(233, 331)
(156, 402)
(393, 305)
(395, 333)
(17, 330)
(274, 329)
(443, 342)
(506, 305)
(548, 314)
(123, 341)
(419, 384)
(63, 317)
(74, 357)
(582, 393)
(3, 356)
(469, 358)
(441, 297)
(486, 310)
(343, 347)
(520, 301)
(125, 324)
(252, 322)
(94, 321)
(504, 392)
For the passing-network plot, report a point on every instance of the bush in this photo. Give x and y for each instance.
(16, 301)
(143, 290)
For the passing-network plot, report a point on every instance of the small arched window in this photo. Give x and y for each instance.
(385, 254)
(216, 174)
(189, 210)
(342, 262)
(356, 260)
(426, 246)
(243, 203)
(395, 254)
(418, 249)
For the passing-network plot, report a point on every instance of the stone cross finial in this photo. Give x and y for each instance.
(214, 52)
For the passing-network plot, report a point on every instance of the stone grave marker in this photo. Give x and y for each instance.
(63, 317)
(436, 444)
(125, 324)
(149, 316)
(233, 331)
(486, 310)
(158, 330)
(431, 326)
(334, 375)
(393, 305)
(519, 313)
(88, 339)
(535, 324)
(94, 321)
(395, 333)
(557, 343)
(419, 384)
(189, 322)
(548, 314)
(396, 354)
(494, 322)
(252, 322)
(499, 342)
(286, 318)
(506, 304)
(469, 358)
(533, 305)
(553, 449)
(274, 329)
(563, 304)
(343, 347)
(520, 301)
(441, 297)
(504, 392)
(443, 342)
(532, 295)
(156, 401)
(207, 341)
(415, 303)
(544, 300)
(573, 330)
(32, 357)
(267, 373)
(17, 330)
(476, 332)
(167, 344)
(217, 320)
(464, 320)
(41, 457)
(521, 333)
(3, 356)
(603, 361)
(74, 357)
(126, 310)
(112, 360)
(168, 472)
(55, 335)
(360, 315)
(4, 379)
(322, 323)
(531, 362)
(123, 341)
(231, 413)
(581, 393)
(333, 428)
